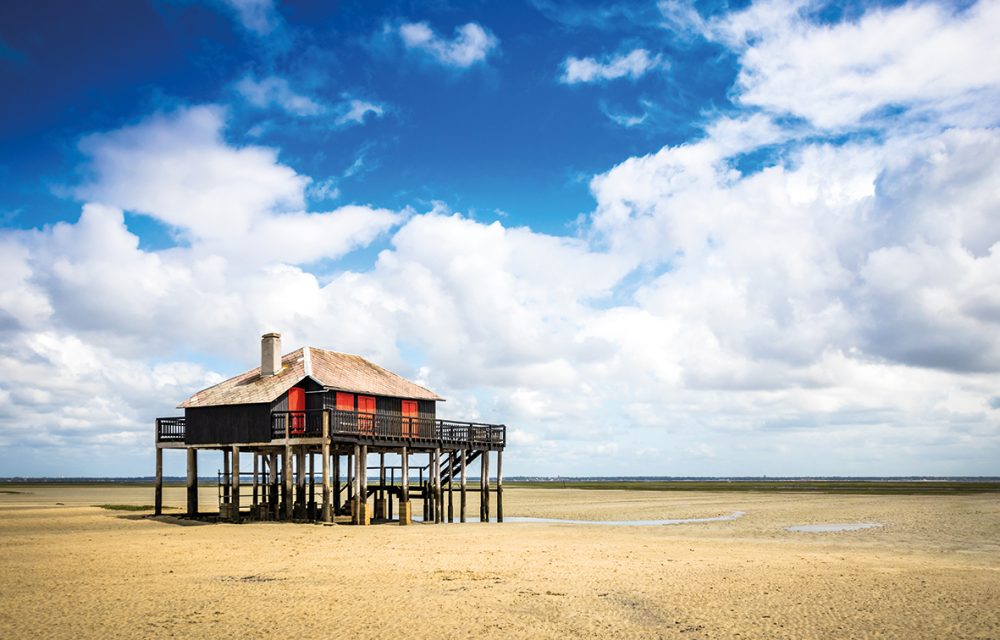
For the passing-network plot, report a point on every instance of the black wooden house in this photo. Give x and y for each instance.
(340, 407)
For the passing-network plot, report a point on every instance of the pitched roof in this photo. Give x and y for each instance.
(340, 371)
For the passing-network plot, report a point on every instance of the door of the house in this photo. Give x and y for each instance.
(366, 415)
(297, 410)
(410, 419)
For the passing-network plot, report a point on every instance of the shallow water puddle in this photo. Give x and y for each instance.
(828, 528)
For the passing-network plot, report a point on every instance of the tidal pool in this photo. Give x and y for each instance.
(828, 528)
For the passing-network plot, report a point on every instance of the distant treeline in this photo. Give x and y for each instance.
(880, 486)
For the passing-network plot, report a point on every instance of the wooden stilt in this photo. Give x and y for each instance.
(234, 504)
(380, 506)
(500, 485)
(388, 494)
(327, 514)
(354, 486)
(483, 517)
(300, 482)
(256, 471)
(286, 473)
(158, 487)
(405, 514)
(451, 472)
(438, 493)
(461, 506)
(225, 477)
(486, 480)
(364, 515)
(311, 507)
(336, 483)
(272, 492)
(192, 482)
(351, 490)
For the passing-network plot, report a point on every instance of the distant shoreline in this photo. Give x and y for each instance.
(928, 485)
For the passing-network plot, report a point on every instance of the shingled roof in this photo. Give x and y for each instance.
(340, 371)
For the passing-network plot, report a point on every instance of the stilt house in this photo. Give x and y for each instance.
(313, 402)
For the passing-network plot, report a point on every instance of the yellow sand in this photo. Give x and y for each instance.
(933, 570)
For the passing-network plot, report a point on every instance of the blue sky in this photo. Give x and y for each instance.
(662, 238)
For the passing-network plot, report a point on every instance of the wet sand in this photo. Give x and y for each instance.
(932, 571)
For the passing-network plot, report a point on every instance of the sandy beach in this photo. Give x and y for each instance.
(72, 570)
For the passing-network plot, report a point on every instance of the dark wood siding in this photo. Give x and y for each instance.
(427, 408)
(229, 424)
(314, 401)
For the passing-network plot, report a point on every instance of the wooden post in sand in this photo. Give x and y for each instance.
(354, 486)
(364, 515)
(234, 503)
(256, 472)
(225, 477)
(405, 513)
(484, 487)
(461, 505)
(311, 507)
(451, 473)
(192, 482)
(272, 492)
(500, 485)
(381, 512)
(327, 514)
(300, 482)
(336, 483)
(158, 487)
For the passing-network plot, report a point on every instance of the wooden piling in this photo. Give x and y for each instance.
(500, 485)
(451, 473)
(192, 482)
(311, 481)
(353, 488)
(364, 515)
(300, 482)
(327, 513)
(483, 496)
(380, 506)
(256, 471)
(234, 503)
(225, 477)
(405, 513)
(336, 483)
(272, 492)
(461, 506)
(158, 487)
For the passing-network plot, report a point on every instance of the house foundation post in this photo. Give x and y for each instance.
(336, 483)
(286, 474)
(461, 498)
(158, 487)
(226, 500)
(234, 503)
(311, 508)
(354, 485)
(405, 508)
(272, 492)
(192, 482)
(300, 483)
(364, 515)
(327, 515)
(256, 484)
(451, 500)
(483, 496)
(380, 508)
(438, 495)
(500, 485)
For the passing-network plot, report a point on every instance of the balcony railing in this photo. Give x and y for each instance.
(170, 429)
(381, 425)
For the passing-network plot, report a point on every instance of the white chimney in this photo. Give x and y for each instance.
(270, 354)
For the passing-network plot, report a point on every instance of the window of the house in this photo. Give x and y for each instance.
(345, 401)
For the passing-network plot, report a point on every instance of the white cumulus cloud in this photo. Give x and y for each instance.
(632, 65)
(471, 44)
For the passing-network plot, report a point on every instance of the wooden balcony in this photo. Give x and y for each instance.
(364, 427)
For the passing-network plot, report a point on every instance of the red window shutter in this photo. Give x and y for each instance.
(345, 401)
(366, 404)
